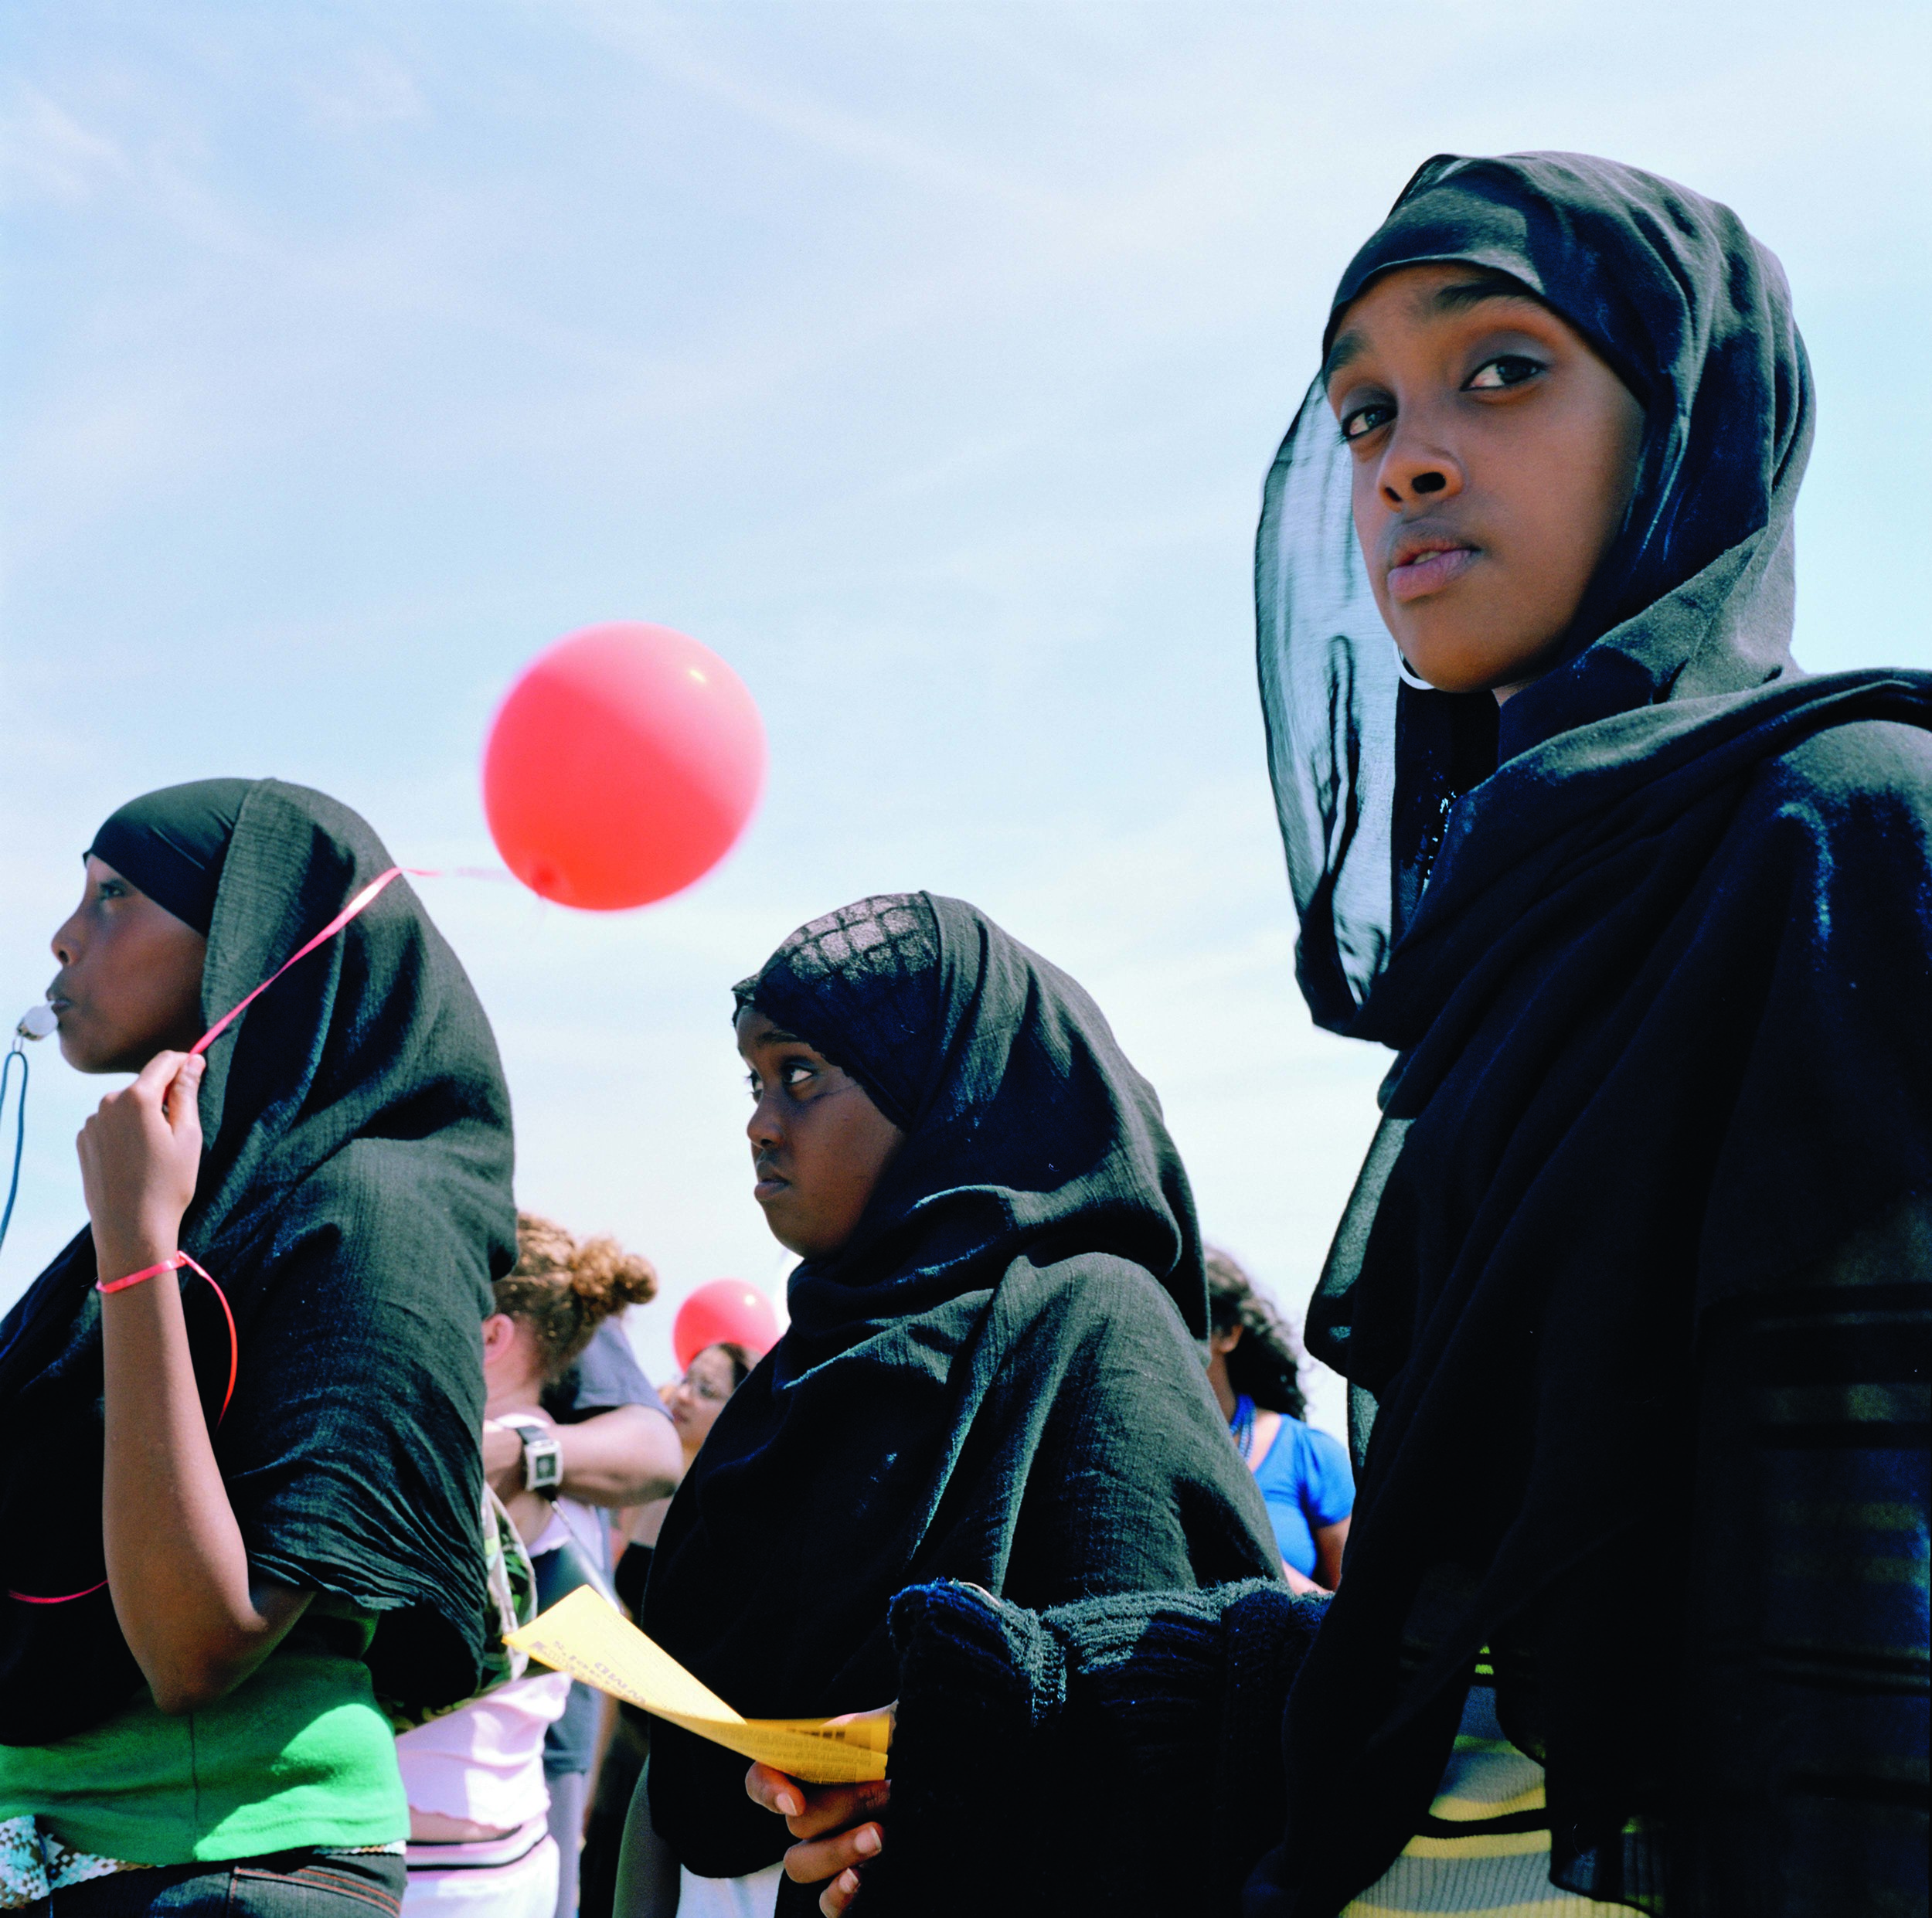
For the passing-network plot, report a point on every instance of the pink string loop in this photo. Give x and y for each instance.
(170, 1264)
(66, 1598)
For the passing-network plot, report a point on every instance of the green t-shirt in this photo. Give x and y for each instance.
(297, 1755)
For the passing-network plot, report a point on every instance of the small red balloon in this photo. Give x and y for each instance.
(726, 1312)
(622, 767)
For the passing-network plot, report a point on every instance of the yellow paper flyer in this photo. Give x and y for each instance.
(585, 1635)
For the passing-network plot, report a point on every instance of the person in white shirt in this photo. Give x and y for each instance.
(479, 1805)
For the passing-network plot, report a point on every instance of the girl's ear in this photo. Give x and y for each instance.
(499, 1334)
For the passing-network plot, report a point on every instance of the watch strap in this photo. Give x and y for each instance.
(542, 1456)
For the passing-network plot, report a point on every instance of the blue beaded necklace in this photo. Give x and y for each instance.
(1241, 1427)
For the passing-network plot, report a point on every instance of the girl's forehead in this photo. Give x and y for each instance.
(756, 1028)
(1430, 293)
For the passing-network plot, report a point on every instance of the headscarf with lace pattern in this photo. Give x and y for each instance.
(997, 1379)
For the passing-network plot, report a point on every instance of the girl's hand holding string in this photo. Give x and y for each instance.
(836, 1825)
(177, 1570)
(140, 1157)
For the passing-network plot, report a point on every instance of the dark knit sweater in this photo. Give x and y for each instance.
(1120, 1755)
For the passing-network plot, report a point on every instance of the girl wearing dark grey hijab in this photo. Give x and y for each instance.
(223, 1541)
(1635, 1291)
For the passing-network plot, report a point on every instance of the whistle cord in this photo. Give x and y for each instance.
(16, 1051)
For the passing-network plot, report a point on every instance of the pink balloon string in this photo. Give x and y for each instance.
(361, 902)
(363, 899)
(366, 898)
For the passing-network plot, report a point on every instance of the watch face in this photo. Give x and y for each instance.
(544, 1462)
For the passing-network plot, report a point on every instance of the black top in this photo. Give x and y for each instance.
(998, 1379)
(354, 1204)
(1665, 1015)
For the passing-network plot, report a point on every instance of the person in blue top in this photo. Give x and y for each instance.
(1304, 1475)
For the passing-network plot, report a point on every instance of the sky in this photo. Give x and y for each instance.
(924, 359)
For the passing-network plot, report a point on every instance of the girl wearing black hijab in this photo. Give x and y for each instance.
(1632, 1292)
(222, 1542)
(994, 1368)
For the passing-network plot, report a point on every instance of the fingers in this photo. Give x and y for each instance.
(832, 1807)
(811, 1810)
(838, 1894)
(157, 1075)
(772, 1789)
(140, 1161)
(183, 1105)
(821, 1858)
(827, 1820)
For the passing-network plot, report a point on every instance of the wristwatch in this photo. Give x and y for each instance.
(542, 1456)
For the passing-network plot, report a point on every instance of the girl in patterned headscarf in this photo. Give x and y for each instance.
(993, 1371)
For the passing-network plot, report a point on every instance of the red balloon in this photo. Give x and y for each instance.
(726, 1312)
(621, 766)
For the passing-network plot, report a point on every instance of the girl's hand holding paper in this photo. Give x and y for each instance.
(587, 1637)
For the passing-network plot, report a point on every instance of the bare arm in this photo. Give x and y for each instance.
(1328, 1542)
(177, 1570)
(626, 1456)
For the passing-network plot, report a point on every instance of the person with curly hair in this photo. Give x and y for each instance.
(481, 1830)
(616, 1450)
(1304, 1475)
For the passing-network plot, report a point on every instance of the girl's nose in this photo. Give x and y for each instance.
(1416, 468)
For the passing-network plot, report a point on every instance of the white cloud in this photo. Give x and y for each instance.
(371, 88)
(46, 153)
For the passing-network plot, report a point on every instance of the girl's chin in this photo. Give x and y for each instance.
(1453, 664)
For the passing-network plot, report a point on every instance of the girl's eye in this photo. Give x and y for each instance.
(797, 1074)
(1506, 369)
(1360, 423)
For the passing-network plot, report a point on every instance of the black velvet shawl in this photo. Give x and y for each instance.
(998, 1380)
(1654, 953)
(354, 1203)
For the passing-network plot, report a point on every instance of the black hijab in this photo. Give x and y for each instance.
(1653, 951)
(171, 844)
(354, 1203)
(998, 1379)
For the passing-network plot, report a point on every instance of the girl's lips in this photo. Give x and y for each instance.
(768, 1188)
(1429, 572)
